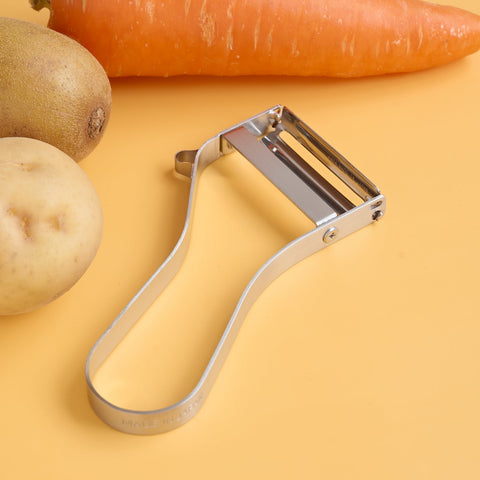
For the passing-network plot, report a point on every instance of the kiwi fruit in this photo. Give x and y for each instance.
(51, 89)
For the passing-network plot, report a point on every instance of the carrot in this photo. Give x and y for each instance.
(337, 38)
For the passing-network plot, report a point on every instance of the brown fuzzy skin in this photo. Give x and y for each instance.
(51, 89)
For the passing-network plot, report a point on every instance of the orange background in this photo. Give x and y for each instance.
(361, 362)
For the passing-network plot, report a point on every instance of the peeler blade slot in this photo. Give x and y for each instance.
(332, 159)
(286, 154)
(308, 196)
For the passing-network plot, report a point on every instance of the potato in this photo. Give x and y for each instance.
(50, 224)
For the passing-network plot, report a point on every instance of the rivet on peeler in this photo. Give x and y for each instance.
(330, 235)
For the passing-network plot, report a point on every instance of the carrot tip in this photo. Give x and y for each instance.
(39, 4)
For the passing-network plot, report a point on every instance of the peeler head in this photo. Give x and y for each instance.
(308, 170)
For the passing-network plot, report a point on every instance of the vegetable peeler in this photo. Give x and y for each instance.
(325, 186)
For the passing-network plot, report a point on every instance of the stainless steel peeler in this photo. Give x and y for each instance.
(268, 140)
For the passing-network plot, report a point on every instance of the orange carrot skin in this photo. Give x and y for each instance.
(336, 38)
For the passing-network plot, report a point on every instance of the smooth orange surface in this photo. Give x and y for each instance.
(220, 37)
(362, 362)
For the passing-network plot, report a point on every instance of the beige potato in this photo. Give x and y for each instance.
(50, 224)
